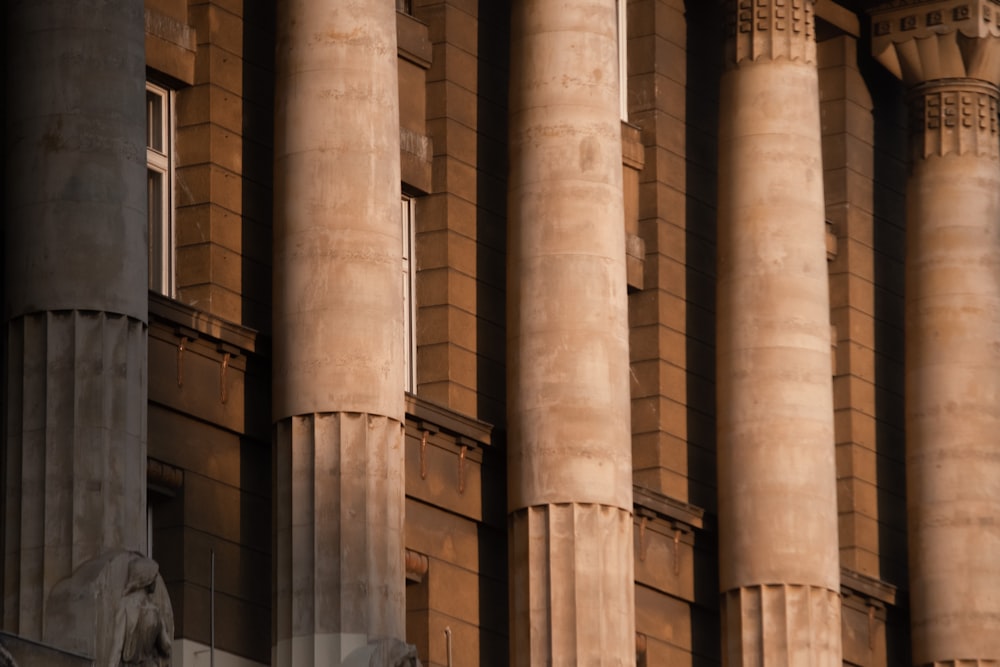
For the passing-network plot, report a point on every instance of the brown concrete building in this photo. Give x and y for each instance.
(600, 332)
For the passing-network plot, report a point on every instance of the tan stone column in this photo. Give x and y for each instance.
(778, 555)
(76, 300)
(952, 324)
(338, 334)
(569, 461)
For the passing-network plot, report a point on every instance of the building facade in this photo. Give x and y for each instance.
(600, 332)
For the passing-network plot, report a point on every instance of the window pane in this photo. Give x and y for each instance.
(154, 121)
(155, 190)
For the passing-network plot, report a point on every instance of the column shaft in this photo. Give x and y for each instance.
(953, 373)
(76, 300)
(779, 567)
(569, 488)
(338, 333)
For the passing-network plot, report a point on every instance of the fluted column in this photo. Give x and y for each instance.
(779, 567)
(338, 334)
(949, 57)
(569, 460)
(76, 301)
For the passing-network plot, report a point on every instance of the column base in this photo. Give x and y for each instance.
(340, 582)
(781, 624)
(572, 586)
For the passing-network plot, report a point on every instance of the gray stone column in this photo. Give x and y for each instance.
(778, 545)
(76, 300)
(569, 460)
(952, 324)
(338, 333)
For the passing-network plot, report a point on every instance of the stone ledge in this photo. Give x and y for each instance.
(172, 311)
(854, 583)
(647, 501)
(433, 417)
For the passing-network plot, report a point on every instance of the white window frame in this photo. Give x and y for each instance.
(620, 6)
(407, 220)
(160, 164)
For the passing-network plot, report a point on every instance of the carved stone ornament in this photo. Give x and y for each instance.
(770, 30)
(114, 608)
(954, 118)
(926, 40)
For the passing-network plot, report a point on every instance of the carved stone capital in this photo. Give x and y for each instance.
(956, 117)
(763, 30)
(926, 40)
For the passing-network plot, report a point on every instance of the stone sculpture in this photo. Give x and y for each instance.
(140, 627)
(114, 608)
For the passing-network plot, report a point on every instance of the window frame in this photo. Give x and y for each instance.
(408, 228)
(160, 165)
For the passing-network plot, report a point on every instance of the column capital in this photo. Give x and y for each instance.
(764, 30)
(954, 117)
(926, 40)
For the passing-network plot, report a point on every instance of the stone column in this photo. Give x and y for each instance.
(569, 460)
(952, 324)
(338, 334)
(778, 551)
(76, 301)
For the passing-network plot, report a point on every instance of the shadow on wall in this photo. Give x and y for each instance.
(890, 173)
(491, 236)
(704, 69)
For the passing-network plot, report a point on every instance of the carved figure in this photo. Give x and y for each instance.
(139, 626)
(115, 608)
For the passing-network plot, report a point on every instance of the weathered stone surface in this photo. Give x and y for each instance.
(776, 469)
(338, 373)
(569, 458)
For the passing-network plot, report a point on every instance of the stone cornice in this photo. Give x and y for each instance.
(926, 40)
(764, 30)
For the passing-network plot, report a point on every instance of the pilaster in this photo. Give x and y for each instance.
(778, 547)
(948, 54)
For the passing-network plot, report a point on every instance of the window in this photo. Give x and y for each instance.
(622, 59)
(409, 307)
(159, 188)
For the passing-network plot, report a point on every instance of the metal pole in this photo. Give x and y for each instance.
(211, 648)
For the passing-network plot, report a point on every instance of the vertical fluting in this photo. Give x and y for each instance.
(569, 462)
(76, 301)
(342, 471)
(338, 332)
(779, 569)
(953, 373)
